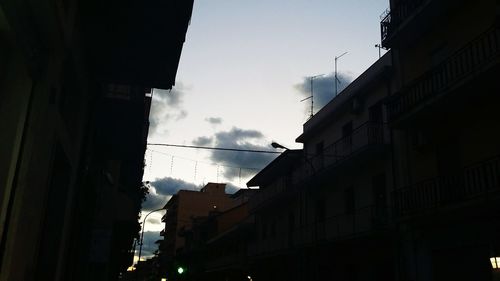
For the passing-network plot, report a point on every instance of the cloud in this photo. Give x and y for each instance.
(165, 107)
(162, 189)
(240, 139)
(214, 120)
(203, 141)
(154, 221)
(149, 246)
(169, 186)
(324, 89)
(154, 201)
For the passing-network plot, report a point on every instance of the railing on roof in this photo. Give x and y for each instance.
(393, 18)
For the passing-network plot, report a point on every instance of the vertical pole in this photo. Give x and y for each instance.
(379, 46)
(142, 232)
(336, 79)
(312, 97)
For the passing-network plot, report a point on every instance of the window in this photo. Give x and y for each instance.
(291, 222)
(347, 129)
(118, 91)
(379, 189)
(375, 113)
(347, 136)
(349, 200)
(319, 153)
(264, 231)
(273, 228)
(320, 210)
(319, 148)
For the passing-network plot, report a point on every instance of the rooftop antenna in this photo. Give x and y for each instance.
(337, 81)
(312, 93)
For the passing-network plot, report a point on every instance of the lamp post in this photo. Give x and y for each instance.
(142, 233)
(277, 145)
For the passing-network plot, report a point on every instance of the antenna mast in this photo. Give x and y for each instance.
(336, 77)
(312, 93)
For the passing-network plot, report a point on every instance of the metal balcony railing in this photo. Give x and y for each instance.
(464, 63)
(225, 261)
(271, 192)
(474, 181)
(343, 226)
(364, 136)
(395, 17)
(362, 221)
(369, 133)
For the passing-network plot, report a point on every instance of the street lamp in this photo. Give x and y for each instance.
(277, 145)
(142, 233)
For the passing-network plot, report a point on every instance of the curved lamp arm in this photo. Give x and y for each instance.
(142, 233)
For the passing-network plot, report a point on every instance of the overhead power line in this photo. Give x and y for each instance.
(198, 161)
(215, 148)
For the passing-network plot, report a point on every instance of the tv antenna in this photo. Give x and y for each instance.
(337, 81)
(312, 92)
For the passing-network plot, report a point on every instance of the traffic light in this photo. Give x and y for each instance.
(181, 270)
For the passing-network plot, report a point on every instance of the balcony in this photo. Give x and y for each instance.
(271, 194)
(475, 57)
(367, 135)
(345, 226)
(478, 181)
(395, 18)
(362, 222)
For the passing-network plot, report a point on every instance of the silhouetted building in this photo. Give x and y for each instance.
(218, 243)
(443, 113)
(321, 210)
(182, 209)
(75, 84)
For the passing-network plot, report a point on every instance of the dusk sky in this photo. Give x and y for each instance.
(239, 84)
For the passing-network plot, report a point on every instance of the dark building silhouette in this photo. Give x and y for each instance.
(443, 112)
(75, 93)
(184, 209)
(322, 209)
(217, 244)
(399, 177)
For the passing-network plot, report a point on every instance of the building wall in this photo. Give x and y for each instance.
(429, 48)
(190, 204)
(53, 190)
(448, 138)
(40, 144)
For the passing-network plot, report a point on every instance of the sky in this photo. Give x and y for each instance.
(240, 81)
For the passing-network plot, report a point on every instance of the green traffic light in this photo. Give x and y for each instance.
(180, 270)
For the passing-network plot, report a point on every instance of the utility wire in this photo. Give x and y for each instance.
(207, 163)
(215, 148)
